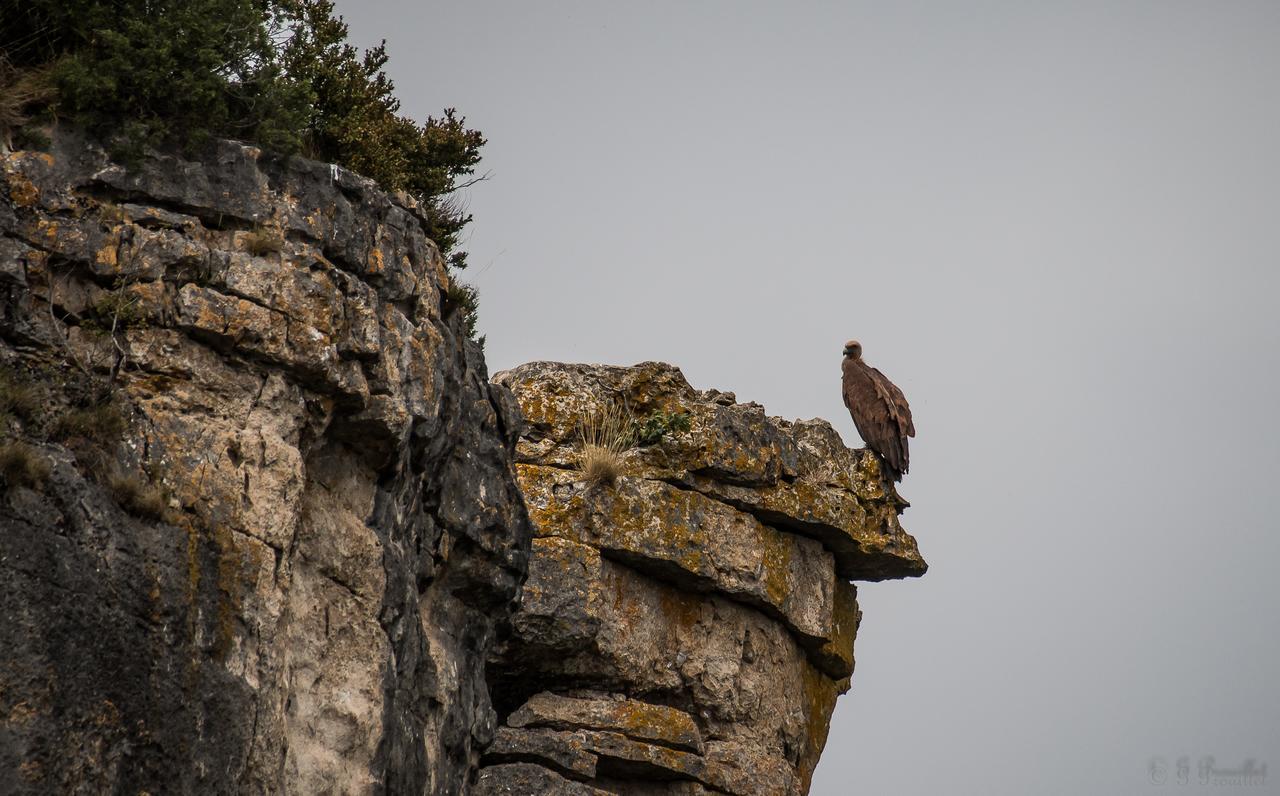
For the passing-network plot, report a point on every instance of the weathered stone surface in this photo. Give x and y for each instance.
(584, 754)
(836, 655)
(344, 534)
(691, 540)
(734, 767)
(632, 718)
(796, 476)
(565, 752)
(618, 756)
(588, 623)
(319, 595)
(523, 779)
(709, 577)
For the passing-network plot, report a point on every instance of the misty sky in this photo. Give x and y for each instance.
(1055, 225)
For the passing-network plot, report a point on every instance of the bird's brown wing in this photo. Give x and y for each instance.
(899, 401)
(869, 396)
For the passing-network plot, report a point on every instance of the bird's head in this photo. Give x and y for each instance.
(853, 349)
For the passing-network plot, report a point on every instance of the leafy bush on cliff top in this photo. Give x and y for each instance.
(279, 73)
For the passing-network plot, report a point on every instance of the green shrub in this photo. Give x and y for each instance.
(163, 72)
(354, 120)
(653, 428)
(116, 310)
(461, 297)
(278, 73)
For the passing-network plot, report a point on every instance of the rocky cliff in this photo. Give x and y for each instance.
(265, 524)
(259, 520)
(688, 624)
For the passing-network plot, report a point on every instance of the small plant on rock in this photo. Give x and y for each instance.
(118, 309)
(653, 428)
(103, 422)
(19, 396)
(461, 297)
(20, 90)
(111, 214)
(138, 496)
(22, 465)
(605, 435)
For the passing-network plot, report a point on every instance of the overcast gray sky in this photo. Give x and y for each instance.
(1055, 225)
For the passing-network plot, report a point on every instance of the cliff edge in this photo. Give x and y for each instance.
(259, 521)
(687, 624)
(266, 526)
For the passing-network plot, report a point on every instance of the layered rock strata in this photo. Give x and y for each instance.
(258, 523)
(687, 625)
(260, 530)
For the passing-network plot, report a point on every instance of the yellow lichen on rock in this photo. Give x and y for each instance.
(708, 579)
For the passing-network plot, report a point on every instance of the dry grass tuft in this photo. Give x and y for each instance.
(605, 436)
(22, 465)
(601, 465)
(102, 423)
(137, 496)
(110, 213)
(19, 397)
(20, 89)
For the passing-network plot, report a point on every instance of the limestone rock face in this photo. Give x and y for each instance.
(265, 524)
(309, 606)
(687, 626)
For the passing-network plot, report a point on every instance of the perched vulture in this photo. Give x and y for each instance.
(879, 410)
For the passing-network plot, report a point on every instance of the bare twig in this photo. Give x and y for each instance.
(471, 182)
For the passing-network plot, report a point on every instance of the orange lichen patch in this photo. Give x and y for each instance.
(376, 261)
(22, 191)
(108, 256)
(209, 317)
(534, 409)
(48, 230)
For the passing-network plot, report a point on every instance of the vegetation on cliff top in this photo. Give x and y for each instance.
(278, 73)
